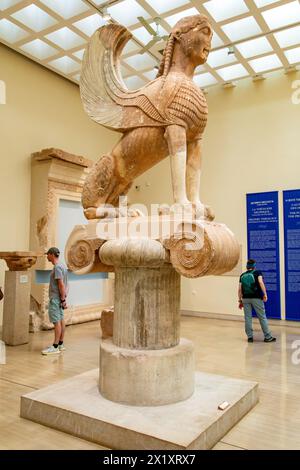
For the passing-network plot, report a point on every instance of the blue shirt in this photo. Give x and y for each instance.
(59, 271)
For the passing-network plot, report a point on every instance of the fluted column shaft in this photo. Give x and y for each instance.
(147, 316)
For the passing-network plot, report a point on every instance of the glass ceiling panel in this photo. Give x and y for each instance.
(222, 10)
(151, 74)
(89, 24)
(65, 38)
(221, 57)
(39, 49)
(79, 54)
(130, 47)
(161, 6)
(66, 8)
(216, 41)
(34, 18)
(65, 64)
(293, 55)
(205, 79)
(254, 47)
(263, 3)
(241, 29)
(282, 15)
(288, 37)
(142, 35)
(4, 4)
(133, 83)
(172, 20)
(140, 61)
(266, 63)
(127, 12)
(11, 32)
(233, 72)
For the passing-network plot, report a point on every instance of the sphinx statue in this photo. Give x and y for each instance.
(166, 117)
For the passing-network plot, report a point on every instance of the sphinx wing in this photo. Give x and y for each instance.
(105, 97)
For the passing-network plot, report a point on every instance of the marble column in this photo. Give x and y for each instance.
(145, 363)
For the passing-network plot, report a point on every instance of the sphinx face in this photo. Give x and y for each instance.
(196, 43)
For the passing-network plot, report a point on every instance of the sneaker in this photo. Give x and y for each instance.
(269, 340)
(250, 340)
(50, 351)
(61, 347)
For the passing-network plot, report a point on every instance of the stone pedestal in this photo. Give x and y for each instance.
(150, 396)
(146, 377)
(16, 308)
(135, 366)
(15, 328)
(75, 406)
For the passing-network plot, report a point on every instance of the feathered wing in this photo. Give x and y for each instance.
(105, 97)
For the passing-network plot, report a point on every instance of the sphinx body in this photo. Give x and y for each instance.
(167, 117)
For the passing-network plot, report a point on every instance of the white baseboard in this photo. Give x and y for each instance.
(235, 317)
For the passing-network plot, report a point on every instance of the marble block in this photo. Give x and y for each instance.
(15, 329)
(75, 406)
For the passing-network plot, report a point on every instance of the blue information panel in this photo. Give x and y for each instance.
(263, 244)
(291, 208)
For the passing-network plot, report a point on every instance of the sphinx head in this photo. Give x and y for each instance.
(193, 36)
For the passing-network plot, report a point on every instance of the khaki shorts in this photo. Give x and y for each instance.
(55, 311)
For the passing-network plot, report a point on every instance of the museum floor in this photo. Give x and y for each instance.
(220, 349)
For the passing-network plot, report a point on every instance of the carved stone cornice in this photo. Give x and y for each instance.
(19, 260)
(48, 154)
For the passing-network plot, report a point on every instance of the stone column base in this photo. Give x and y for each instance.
(146, 377)
(75, 406)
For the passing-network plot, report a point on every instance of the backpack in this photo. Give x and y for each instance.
(249, 286)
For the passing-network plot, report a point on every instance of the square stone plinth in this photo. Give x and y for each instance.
(75, 406)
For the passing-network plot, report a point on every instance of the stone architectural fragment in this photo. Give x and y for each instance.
(15, 329)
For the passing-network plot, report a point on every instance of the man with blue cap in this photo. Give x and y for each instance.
(253, 294)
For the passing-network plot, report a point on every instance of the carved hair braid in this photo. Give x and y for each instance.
(167, 58)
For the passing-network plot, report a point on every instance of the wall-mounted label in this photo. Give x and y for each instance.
(291, 210)
(263, 244)
(23, 279)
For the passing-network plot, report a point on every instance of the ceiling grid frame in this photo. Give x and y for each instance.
(59, 52)
(270, 37)
(219, 31)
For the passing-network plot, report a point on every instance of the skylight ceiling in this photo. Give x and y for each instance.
(250, 36)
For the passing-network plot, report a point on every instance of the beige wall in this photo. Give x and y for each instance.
(43, 110)
(251, 145)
